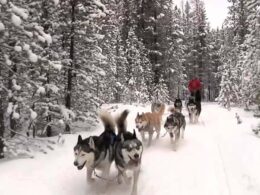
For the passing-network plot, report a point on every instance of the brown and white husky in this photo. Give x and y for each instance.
(149, 122)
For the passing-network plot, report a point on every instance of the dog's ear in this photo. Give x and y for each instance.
(91, 143)
(122, 137)
(134, 134)
(79, 139)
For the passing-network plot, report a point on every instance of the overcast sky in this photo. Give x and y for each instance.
(216, 11)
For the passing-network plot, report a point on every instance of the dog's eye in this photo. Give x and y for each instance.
(82, 155)
(137, 147)
(129, 149)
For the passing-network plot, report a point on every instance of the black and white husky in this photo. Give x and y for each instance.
(96, 152)
(178, 105)
(175, 125)
(128, 152)
(194, 107)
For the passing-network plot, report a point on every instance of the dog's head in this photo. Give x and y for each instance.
(156, 106)
(178, 103)
(192, 108)
(84, 152)
(141, 121)
(171, 123)
(131, 147)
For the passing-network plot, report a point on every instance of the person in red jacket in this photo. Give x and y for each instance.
(194, 100)
(194, 88)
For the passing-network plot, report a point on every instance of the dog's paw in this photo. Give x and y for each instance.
(174, 147)
(119, 180)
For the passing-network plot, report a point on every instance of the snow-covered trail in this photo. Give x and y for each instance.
(217, 157)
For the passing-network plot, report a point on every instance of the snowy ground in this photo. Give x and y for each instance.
(217, 157)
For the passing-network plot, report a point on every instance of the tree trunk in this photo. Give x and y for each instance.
(12, 121)
(2, 127)
(117, 93)
(46, 26)
(70, 75)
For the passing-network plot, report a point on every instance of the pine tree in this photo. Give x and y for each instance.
(236, 28)
(174, 56)
(136, 58)
(251, 57)
(22, 40)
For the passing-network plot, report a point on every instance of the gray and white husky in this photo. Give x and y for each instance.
(128, 153)
(96, 152)
(175, 125)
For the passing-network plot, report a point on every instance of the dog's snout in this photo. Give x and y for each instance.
(76, 163)
(136, 156)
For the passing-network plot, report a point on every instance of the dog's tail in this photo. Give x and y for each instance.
(107, 120)
(162, 109)
(121, 121)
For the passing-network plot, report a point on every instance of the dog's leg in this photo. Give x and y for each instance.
(182, 132)
(105, 173)
(176, 139)
(150, 138)
(126, 178)
(143, 136)
(174, 144)
(183, 129)
(158, 132)
(171, 137)
(136, 177)
(89, 175)
(196, 118)
(120, 175)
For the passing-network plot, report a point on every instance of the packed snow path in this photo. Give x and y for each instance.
(217, 157)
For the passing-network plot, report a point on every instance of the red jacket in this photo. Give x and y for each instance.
(194, 85)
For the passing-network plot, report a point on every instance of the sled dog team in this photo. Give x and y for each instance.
(124, 148)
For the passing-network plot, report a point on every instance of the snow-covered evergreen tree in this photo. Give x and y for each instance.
(251, 58)
(24, 65)
(235, 30)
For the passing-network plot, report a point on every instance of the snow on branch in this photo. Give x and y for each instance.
(101, 6)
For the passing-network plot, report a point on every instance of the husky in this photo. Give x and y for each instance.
(175, 125)
(149, 122)
(155, 107)
(96, 152)
(194, 109)
(178, 105)
(128, 153)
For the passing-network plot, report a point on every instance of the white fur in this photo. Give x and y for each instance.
(127, 155)
(81, 157)
(89, 158)
(192, 111)
(140, 125)
(143, 136)
(136, 169)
